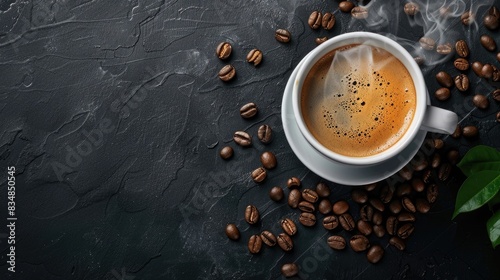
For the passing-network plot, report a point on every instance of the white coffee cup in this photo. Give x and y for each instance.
(426, 117)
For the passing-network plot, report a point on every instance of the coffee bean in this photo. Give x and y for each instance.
(427, 43)
(293, 182)
(336, 242)
(488, 42)
(491, 22)
(386, 194)
(226, 152)
(497, 117)
(254, 244)
(285, 242)
(330, 222)
(395, 206)
(436, 160)
(405, 230)
(462, 82)
(457, 133)
(470, 131)
(306, 206)
(265, 134)
(411, 8)
(255, 56)
(444, 79)
(359, 196)
(419, 163)
(403, 190)
(453, 155)
(442, 94)
(419, 60)
(232, 232)
(227, 73)
(467, 18)
(438, 144)
(294, 198)
(496, 74)
(397, 242)
(268, 160)
(268, 238)
(444, 49)
(259, 175)
(307, 219)
(377, 204)
(370, 187)
(494, 11)
(406, 173)
(406, 217)
(375, 254)
(461, 64)
(378, 218)
(477, 68)
(432, 193)
(487, 71)
(366, 213)
(359, 12)
(462, 48)
(251, 214)
(364, 228)
(322, 189)
(408, 205)
(422, 205)
(325, 206)
(359, 243)
(427, 176)
(248, 110)
(276, 193)
(310, 195)
(224, 50)
(289, 226)
(340, 207)
(496, 94)
(242, 138)
(444, 171)
(379, 231)
(328, 21)
(391, 225)
(321, 40)
(289, 270)
(283, 35)
(346, 6)
(347, 222)
(314, 20)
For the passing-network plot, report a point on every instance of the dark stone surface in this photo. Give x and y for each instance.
(132, 87)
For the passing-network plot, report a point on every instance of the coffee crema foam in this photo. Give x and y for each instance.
(358, 100)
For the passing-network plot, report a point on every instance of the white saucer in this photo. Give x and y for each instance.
(332, 170)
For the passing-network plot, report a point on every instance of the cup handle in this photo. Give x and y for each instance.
(439, 120)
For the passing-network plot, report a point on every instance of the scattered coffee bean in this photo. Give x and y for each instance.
(268, 160)
(444, 79)
(242, 138)
(477, 68)
(422, 205)
(379, 231)
(470, 131)
(314, 20)
(496, 94)
(419, 60)
(370, 187)
(417, 184)
(408, 205)
(406, 217)
(255, 56)
(366, 213)
(457, 133)
(268, 238)
(491, 22)
(306, 206)
(444, 49)
(391, 225)
(405, 230)
(251, 214)
(386, 194)
(293, 182)
(438, 144)
(461, 64)
(427, 176)
(419, 163)
(453, 156)
(328, 21)
(442, 94)
(395, 206)
(432, 193)
(232, 232)
(436, 160)
(364, 228)
(223, 50)
(347, 222)
(411, 8)
(254, 244)
(289, 270)
(310, 195)
(496, 74)
(488, 42)
(340, 207)
(283, 35)
(427, 43)
(462, 48)
(444, 171)
(325, 206)
(321, 40)
(259, 175)
(467, 18)
(377, 204)
(359, 12)
(497, 117)
(330, 222)
(322, 189)
(265, 134)
(227, 73)
(307, 219)
(285, 242)
(346, 6)
(462, 82)
(403, 190)
(294, 198)
(406, 172)
(248, 110)
(289, 226)
(487, 71)
(336, 242)
(359, 243)
(359, 196)
(226, 152)
(276, 193)
(397, 242)
(375, 254)
(378, 218)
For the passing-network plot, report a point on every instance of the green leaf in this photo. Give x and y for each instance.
(477, 190)
(494, 201)
(480, 158)
(493, 227)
